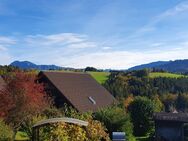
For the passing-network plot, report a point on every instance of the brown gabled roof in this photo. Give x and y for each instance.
(176, 117)
(81, 90)
(2, 83)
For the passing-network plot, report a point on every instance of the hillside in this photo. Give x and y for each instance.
(30, 65)
(100, 77)
(149, 65)
(177, 66)
(165, 74)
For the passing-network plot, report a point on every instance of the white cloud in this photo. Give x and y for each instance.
(5, 57)
(7, 40)
(184, 43)
(68, 37)
(106, 48)
(2, 48)
(5, 43)
(157, 44)
(181, 7)
(82, 45)
(76, 50)
(121, 59)
(48, 40)
(174, 12)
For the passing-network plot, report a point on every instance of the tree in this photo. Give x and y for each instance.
(6, 70)
(182, 102)
(6, 103)
(141, 111)
(157, 103)
(90, 69)
(128, 100)
(141, 73)
(27, 98)
(115, 119)
(5, 132)
(169, 101)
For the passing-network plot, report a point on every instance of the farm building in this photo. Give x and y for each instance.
(171, 126)
(79, 90)
(2, 83)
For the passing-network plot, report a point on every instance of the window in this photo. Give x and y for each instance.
(92, 100)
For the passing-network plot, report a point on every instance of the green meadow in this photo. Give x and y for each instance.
(100, 77)
(21, 136)
(165, 74)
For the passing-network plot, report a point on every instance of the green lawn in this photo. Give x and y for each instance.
(21, 136)
(164, 74)
(101, 77)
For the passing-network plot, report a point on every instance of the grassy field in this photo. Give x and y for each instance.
(101, 77)
(165, 74)
(21, 136)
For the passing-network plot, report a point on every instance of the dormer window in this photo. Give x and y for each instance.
(92, 100)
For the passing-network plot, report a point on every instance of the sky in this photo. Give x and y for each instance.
(106, 34)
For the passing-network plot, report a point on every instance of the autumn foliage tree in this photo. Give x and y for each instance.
(22, 98)
(6, 103)
(128, 100)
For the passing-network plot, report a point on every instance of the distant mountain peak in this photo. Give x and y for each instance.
(30, 65)
(180, 66)
(149, 65)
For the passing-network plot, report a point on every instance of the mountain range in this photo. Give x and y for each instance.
(30, 65)
(178, 66)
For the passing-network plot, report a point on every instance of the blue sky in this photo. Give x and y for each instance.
(115, 34)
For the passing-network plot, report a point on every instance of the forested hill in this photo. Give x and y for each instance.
(176, 66)
(179, 66)
(149, 65)
(30, 65)
(170, 89)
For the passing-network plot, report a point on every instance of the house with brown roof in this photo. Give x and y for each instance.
(2, 83)
(79, 90)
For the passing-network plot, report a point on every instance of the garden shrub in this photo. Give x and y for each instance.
(141, 111)
(27, 124)
(95, 131)
(6, 132)
(116, 120)
(71, 132)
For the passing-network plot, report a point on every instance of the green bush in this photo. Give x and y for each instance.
(52, 113)
(6, 132)
(95, 131)
(141, 111)
(66, 132)
(27, 124)
(115, 119)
